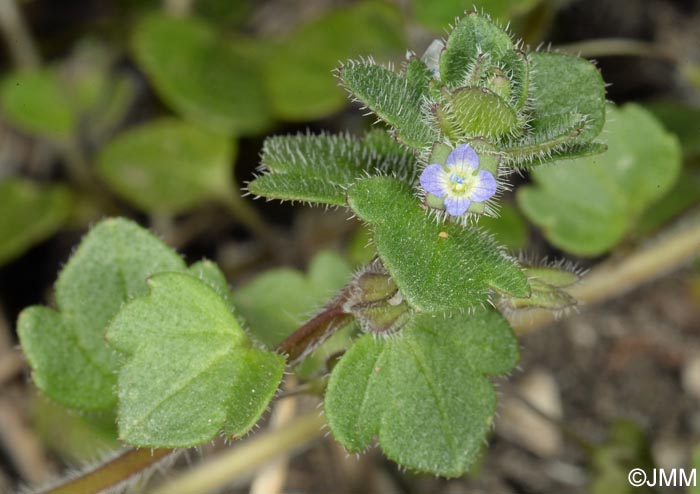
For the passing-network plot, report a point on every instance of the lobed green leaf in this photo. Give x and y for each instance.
(191, 370)
(423, 392)
(71, 363)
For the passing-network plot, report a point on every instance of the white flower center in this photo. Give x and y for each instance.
(462, 183)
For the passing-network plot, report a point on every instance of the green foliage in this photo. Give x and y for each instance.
(36, 102)
(423, 392)
(297, 67)
(436, 266)
(695, 465)
(209, 273)
(588, 205)
(318, 168)
(168, 165)
(30, 213)
(71, 363)
(207, 78)
(278, 301)
(187, 351)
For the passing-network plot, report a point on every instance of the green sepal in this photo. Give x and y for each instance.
(474, 112)
(392, 98)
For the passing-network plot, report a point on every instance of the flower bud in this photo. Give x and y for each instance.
(376, 302)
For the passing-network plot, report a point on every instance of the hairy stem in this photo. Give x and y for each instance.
(616, 277)
(246, 458)
(316, 330)
(110, 474)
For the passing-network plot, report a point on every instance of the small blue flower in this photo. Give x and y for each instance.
(460, 182)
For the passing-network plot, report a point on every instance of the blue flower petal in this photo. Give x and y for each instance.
(434, 180)
(463, 156)
(457, 206)
(485, 188)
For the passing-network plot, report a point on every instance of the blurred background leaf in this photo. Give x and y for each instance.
(206, 77)
(168, 165)
(36, 102)
(298, 66)
(509, 228)
(277, 301)
(587, 206)
(30, 213)
(627, 447)
(77, 437)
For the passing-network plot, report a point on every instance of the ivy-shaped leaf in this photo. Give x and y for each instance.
(586, 206)
(437, 266)
(207, 78)
(208, 272)
(168, 165)
(423, 393)
(318, 168)
(30, 213)
(298, 67)
(71, 363)
(192, 371)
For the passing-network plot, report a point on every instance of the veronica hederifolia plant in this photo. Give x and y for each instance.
(473, 109)
(459, 120)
